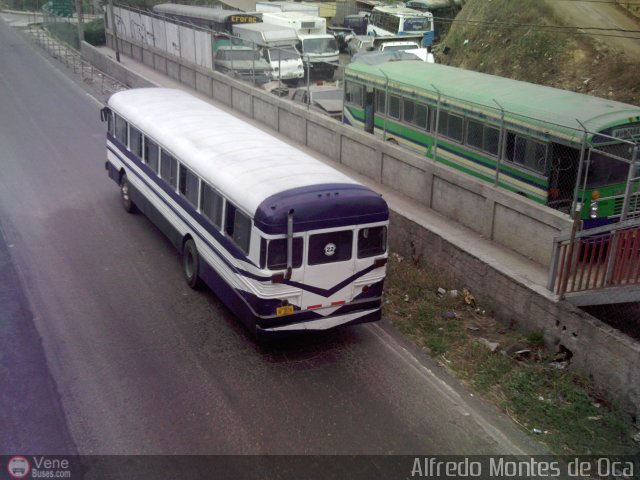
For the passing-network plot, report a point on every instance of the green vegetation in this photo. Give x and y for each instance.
(563, 409)
(502, 47)
(94, 32)
(508, 38)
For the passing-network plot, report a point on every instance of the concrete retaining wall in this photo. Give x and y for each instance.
(517, 223)
(604, 354)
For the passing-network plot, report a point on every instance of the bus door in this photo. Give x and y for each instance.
(562, 176)
(330, 263)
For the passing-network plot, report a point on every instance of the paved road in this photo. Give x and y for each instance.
(133, 361)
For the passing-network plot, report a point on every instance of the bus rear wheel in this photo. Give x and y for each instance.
(125, 194)
(191, 264)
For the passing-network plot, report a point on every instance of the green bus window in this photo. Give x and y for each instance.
(450, 125)
(135, 141)
(353, 94)
(380, 101)
(151, 154)
(211, 204)
(526, 152)
(188, 185)
(491, 140)
(168, 168)
(394, 107)
(422, 116)
(409, 111)
(483, 137)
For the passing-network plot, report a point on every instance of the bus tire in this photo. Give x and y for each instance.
(125, 194)
(191, 264)
(392, 141)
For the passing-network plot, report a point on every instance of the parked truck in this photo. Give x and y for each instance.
(278, 48)
(318, 48)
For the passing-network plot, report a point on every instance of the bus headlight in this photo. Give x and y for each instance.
(594, 210)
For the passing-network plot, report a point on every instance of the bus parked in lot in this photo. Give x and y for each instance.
(556, 147)
(443, 11)
(215, 19)
(399, 20)
(286, 242)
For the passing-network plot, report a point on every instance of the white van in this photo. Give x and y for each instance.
(314, 43)
(278, 48)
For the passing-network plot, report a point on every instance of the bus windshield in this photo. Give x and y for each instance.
(604, 170)
(416, 24)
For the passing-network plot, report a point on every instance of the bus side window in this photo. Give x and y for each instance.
(238, 226)
(211, 204)
(168, 168)
(526, 152)
(188, 185)
(394, 107)
(380, 101)
(121, 129)
(450, 125)
(372, 241)
(110, 128)
(135, 141)
(353, 94)
(483, 137)
(151, 154)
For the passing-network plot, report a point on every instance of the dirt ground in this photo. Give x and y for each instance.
(624, 28)
(529, 40)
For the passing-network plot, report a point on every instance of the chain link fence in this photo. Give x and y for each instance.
(99, 82)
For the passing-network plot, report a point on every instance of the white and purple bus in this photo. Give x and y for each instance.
(288, 243)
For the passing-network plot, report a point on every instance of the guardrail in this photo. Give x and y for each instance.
(73, 61)
(598, 258)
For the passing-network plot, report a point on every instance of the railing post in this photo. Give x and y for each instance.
(630, 179)
(500, 142)
(553, 269)
(435, 129)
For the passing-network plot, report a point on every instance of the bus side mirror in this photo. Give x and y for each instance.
(105, 113)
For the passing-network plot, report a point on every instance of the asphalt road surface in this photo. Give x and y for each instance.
(107, 351)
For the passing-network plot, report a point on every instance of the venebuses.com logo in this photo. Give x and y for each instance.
(19, 466)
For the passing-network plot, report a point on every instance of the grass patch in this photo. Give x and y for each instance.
(568, 411)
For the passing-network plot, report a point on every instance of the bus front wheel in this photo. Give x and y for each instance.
(125, 194)
(190, 264)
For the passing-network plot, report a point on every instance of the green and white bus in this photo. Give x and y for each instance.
(555, 147)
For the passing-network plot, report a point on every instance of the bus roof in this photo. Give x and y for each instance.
(427, 4)
(245, 163)
(205, 13)
(535, 104)
(401, 10)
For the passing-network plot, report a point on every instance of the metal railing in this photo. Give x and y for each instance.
(72, 59)
(598, 258)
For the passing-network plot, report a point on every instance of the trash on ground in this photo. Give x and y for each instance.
(468, 298)
(493, 346)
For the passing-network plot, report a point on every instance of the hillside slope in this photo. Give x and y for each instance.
(518, 40)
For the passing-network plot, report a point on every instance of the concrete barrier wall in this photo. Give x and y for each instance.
(507, 218)
(604, 354)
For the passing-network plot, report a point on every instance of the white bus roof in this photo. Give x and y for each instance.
(402, 11)
(245, 163)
